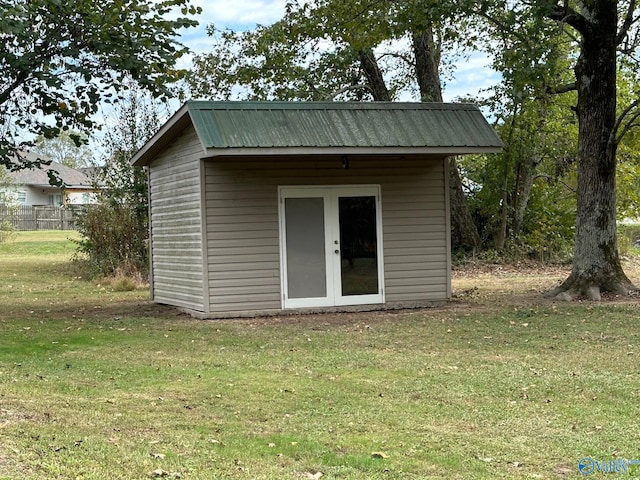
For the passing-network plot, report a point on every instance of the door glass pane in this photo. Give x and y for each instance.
(358, 245)
(306, 263)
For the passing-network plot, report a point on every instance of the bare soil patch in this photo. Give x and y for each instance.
(522, 282)
(475, 286)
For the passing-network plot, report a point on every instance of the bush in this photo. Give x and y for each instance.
(7, 230)
(114, 239)
(628, 235)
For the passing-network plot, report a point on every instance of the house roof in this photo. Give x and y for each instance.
(269, 128)
(39, 177)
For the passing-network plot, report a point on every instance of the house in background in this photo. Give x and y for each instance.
(268, 207)
(32, 187)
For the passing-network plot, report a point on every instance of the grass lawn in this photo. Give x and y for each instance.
(97, 384)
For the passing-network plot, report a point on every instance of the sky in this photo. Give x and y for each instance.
(471, 76)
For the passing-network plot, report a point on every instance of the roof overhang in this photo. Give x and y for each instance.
(325, 151)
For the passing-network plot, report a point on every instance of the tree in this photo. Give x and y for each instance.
(115, 230)
(341, 50)
(63, 149)
(628, 169)
(60, 60)
(537, 127)
(605, 36)
(7, 206)
(596, 263)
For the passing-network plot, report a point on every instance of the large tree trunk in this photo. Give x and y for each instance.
(464, 233)
(427, 55)
(372, 72)
(596, 264)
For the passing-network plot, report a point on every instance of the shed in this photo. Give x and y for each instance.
(263, 207)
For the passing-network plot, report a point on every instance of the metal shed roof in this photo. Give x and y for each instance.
(265, 128)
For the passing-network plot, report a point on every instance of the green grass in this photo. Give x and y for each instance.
(98, 384)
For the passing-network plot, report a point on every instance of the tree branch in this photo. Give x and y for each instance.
(617, 134)
(550, 179)
(346, 89)
(565, 14)
(20, 79)
(628, 22)
(569, 87)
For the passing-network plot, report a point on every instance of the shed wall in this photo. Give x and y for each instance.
(243, 233)
(176, 224)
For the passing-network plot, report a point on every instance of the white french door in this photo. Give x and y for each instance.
(331, 246)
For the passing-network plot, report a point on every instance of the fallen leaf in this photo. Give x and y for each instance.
(312, 476)
(379, 455)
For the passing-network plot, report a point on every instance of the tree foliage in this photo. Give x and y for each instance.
(328, 50)
(538, 129)
(60, 60)
(7, 206)
(115, 230)
(64, 149)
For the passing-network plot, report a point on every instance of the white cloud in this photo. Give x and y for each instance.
(240, 14)
(471, 75)
(236, 15)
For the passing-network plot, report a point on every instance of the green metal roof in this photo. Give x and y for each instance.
(263, 128)
(334, 124)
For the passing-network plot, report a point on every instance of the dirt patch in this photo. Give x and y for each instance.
(523, 283)
(524, 268)
(474, 286)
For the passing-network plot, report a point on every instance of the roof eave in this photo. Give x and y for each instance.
(303, 151)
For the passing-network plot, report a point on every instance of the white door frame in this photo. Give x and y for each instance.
(330, 194)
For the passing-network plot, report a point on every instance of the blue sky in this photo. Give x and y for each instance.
(470, 77)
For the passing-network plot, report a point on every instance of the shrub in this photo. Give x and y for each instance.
(7, 230)
(628, 235)
(114, 239)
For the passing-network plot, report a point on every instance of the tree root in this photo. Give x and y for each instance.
(575, 288)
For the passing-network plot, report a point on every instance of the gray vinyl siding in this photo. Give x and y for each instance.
(175, 219)
(243, 229)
